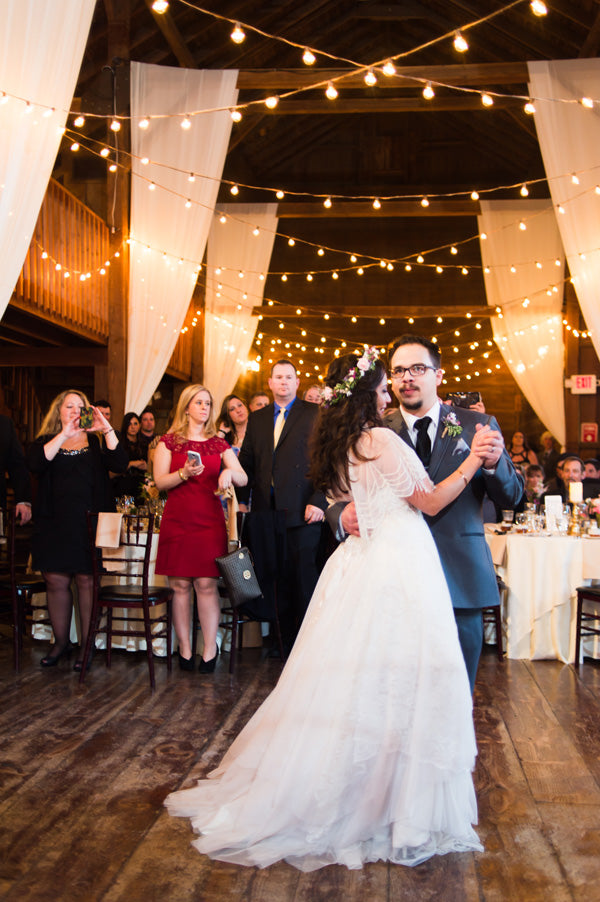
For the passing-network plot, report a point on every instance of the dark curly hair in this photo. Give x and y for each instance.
(340, 426)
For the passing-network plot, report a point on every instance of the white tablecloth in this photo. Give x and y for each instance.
(542, 573)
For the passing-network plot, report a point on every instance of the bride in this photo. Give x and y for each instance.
(364, 750)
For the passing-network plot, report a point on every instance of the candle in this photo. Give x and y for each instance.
(576, 492)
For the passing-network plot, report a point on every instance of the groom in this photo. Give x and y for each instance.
(442, 436)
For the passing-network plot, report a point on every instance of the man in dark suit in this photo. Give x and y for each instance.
(442, 436)
(12, 461)
(275, 456)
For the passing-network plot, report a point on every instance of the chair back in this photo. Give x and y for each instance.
(132, 560)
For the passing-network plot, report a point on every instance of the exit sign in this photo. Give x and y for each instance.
(583, 385)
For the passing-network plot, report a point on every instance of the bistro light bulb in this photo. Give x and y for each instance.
(389, 69)
(487, 100)
(459, 43)
(370, 78)
(115, 125)
(237, 35)
(279, 195)
(143, 123)
(331, 92)
(160, 6)
(271, 102)
(529, 107)
(236, 115)
(376, 204)
(538, 8)
(524, 192)
(428, 92)
(308, 57)
(327, 203)
(79, 122)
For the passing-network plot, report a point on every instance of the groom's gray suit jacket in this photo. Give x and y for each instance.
(458, 529)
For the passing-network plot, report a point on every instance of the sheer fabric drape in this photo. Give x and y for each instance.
(242, 257)
(169, 238)
(569, 137)
(529, 337)
(41, 48)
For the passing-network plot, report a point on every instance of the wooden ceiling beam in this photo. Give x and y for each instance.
(364, 209)
(396, 312)
(476, 75)
(173, 37)
(362, 105)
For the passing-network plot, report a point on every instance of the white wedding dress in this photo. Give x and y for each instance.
(364, 750)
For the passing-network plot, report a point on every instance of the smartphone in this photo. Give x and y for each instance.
(86, 417)
(463, 398)
(194, 458)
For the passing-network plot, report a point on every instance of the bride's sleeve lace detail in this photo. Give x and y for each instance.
(382, 484)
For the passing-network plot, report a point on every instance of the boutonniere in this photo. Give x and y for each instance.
(452, 426)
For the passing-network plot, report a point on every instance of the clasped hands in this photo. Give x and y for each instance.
(488, 444)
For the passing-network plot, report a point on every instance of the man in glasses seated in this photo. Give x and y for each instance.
(442, 435)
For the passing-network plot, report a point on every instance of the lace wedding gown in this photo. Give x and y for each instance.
(364, 749)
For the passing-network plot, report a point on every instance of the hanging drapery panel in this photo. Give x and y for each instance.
(520, 253)
(41, 48)
(569, 136)
(239, 252)
(171, 214)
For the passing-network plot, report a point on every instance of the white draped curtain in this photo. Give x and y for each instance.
(569, 137)
(242, 257)
(41, 48)
(529, 334)
(169, 237)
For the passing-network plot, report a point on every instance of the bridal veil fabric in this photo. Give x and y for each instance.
(365, 748)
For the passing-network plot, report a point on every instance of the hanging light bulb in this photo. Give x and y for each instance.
(236, 115)
(370, 78)
(453, 250)
(538, 8)
(389, 69)
(279, 194)
(291, 242)
(191, 177)
(74, 146)
(104, 152)
(271, 102)
(587, 102)
(234, 190)
(308, 57)
(188, 204)
(428, 92)
(522, 226)
(408, 267)
(79, 122)
(574, 179)
(237, 35)
(160, 6)
(143, 123)
(474, 195)
(487, 100)
(115, 125)
(529, 107)
(186, 123)
(377, 204)
(327, 203)
(460, 43)
(331, 91)
(424, 201)
(524, 192)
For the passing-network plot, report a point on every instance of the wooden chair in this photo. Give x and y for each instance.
(135, 594)
(16, 583)
(590, 596)
(492, 615)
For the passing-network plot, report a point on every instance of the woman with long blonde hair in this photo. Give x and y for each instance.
(191, 463)
(73, 471)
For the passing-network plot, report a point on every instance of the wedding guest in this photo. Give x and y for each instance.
(130, 483)
(12, 461)
(365, 748)
(192, 532)
(591, 468)
(534, 483)
(549, 455)
(572, 471)
(147, 428)
(105, 408)
(234, 417)
(520, 452)
(312, 394)
(72, 466)
(258, 401)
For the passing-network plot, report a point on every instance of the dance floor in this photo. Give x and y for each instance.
(84, 772)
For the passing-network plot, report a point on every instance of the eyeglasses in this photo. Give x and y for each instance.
(416, 369)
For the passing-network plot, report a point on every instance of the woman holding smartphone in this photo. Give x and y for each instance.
(73, 471)
(191, 462)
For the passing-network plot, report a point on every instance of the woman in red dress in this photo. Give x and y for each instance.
(192, 532)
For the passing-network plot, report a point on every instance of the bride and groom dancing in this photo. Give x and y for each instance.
(365, 748)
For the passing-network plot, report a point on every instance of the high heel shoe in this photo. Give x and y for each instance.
(185, 663)
(208, 666)
(51, 660)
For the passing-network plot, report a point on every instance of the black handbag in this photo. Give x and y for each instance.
(239, 577)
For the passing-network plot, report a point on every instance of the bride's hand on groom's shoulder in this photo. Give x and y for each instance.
(349, 520)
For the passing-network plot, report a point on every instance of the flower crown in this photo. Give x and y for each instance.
(344, 389)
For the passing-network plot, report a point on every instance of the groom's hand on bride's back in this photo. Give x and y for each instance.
(349, 520)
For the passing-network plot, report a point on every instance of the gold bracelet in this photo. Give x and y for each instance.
(460, 473)
(182, 475)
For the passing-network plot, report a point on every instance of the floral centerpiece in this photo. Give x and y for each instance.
(150, 493)
(593, 507)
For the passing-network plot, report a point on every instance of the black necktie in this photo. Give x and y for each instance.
(423, 446)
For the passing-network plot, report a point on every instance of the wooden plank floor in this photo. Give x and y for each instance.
(84, 771)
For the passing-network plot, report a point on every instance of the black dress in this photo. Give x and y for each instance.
(71, 484)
